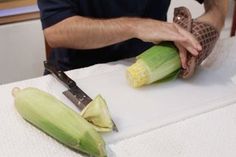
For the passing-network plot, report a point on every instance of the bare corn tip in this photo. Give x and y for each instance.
(14, 91)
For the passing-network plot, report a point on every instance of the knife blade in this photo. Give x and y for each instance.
(74, 93)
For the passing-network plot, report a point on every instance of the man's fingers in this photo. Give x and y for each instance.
(190, 38)
(189, 48)
(183, 55)
(191, 44)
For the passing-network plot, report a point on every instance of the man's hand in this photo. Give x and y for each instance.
(214, 15)
(156, 31)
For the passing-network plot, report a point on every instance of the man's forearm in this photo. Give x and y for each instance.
(84, 33)
(212, 5)
(216, 11)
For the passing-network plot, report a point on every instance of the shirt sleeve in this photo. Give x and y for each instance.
(200, 1)
(54, 11)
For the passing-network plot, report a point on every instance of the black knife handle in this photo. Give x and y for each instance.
(59, 74)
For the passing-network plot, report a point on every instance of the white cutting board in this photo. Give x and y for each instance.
(140, 110)
(134, 110)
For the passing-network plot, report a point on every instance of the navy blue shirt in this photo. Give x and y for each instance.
(54, 11)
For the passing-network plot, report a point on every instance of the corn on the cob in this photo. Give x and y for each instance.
(157, 63)
(59, 121)
(96, 112)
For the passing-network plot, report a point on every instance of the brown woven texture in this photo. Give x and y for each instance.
(206, 34)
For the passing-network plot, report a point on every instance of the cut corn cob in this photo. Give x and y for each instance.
(59, 121)
(157, 63)
(97, 114)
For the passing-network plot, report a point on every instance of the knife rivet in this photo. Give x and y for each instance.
(82, 99)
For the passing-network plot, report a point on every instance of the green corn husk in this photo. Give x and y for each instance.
(160, 62)
(59, 121)
(97, 114)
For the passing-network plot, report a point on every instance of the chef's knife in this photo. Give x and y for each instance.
(74, 93)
